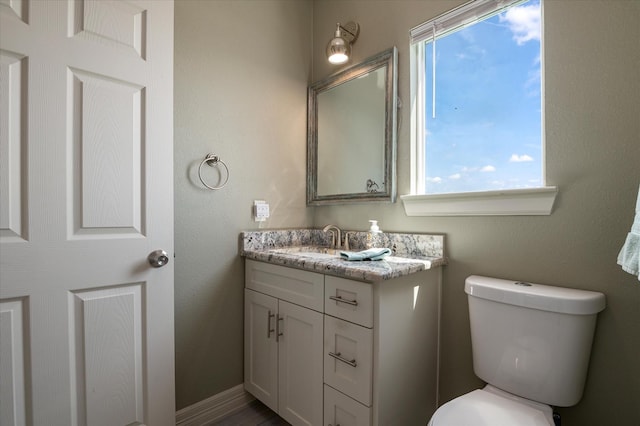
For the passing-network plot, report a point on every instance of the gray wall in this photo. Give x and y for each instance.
(241, 73)
(237, 99)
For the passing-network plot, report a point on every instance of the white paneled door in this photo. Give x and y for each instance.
(86, 194)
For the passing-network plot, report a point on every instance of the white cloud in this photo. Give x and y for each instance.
(524, 23)
(466, 169)
(537, 60)
(515, 158)
(488, 168)
(436, 179)
(455, 176)
(532, 85)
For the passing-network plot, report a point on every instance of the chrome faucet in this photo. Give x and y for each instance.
(335, 232)
(346, 239)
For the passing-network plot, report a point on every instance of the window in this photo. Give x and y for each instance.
(477, 110)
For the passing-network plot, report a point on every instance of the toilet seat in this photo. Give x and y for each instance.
(492, 407)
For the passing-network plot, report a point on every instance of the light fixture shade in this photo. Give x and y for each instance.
(339, 48)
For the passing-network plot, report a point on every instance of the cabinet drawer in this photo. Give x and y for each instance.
(349, 300)
(340, 410)
(348, 358)
(303, 288)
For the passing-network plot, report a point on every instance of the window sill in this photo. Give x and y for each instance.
(512, 202)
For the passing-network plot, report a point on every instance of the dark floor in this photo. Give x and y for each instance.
(255, 414)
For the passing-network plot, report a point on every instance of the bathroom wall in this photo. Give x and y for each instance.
(241, 73)
(592, 90)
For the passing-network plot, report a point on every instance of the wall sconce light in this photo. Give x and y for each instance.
(339, 48)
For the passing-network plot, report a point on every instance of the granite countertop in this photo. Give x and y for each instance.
(298, 248)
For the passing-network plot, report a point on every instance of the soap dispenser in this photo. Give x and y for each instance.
(373, 235)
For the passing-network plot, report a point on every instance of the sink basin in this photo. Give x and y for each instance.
(309, 251)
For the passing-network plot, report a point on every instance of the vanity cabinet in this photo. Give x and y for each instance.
(351, 353)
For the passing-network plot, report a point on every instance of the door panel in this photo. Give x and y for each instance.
(107, 329)
(119, 25)
(13, 85)
(261, 347)
(13, 353)
(85, 195)
(108, 160)
(300, 364)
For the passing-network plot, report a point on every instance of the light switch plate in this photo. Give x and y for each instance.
(260, 210)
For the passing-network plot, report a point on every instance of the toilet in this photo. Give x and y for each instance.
(531, 344)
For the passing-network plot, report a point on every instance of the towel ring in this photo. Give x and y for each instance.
(212, 160)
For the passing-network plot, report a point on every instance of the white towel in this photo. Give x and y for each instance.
(629, 256)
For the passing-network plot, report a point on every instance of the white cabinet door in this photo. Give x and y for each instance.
(86, 178)
(300, 364)
(260, 347)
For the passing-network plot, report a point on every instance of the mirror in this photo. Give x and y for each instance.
(351, 133)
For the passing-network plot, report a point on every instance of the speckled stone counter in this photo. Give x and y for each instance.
(411, 253)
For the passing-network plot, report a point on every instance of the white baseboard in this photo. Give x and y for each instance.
(214, 408)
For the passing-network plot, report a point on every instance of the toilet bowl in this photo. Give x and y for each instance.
(492, 407)
(531, 344)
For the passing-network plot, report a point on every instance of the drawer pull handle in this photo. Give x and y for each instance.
(337, 356)
(269, 329)
(341, 300)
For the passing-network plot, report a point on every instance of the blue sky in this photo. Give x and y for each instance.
(486, 134)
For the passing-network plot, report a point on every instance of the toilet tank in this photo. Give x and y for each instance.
(532, 340)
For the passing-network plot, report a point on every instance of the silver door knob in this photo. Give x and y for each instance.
(158, 258)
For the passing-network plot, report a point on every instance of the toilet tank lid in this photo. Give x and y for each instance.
(535, 296)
